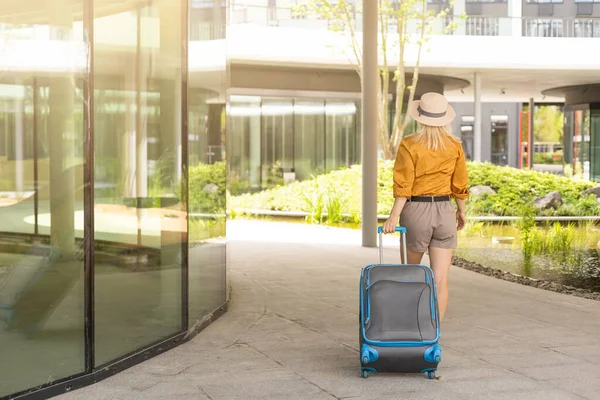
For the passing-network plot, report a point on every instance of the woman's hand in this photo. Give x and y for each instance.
(461, 219)
(389, 226)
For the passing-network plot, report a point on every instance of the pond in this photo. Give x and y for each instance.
(560, 253)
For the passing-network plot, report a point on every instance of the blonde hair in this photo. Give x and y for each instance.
(434, 137)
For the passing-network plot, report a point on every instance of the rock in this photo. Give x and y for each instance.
(551, 200)
(211, 188)
(502, 239)
(594, 190)
(480, 190)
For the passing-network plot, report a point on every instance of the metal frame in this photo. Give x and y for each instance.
(184, 161)
(88, 194)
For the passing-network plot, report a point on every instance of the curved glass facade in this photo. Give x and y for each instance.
(112, 185)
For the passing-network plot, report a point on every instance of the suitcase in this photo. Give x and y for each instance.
(398, 318)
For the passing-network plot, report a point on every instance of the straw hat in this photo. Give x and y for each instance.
(433, 110)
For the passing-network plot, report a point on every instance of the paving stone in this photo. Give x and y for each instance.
(539, 358)
(291, 333)
(554, 372)
(587, 353)
(529, 395)
(501, 385)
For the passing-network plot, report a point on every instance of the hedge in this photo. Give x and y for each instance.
(339, 192)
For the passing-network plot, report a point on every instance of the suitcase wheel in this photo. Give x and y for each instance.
(431, 374)
(365, 374)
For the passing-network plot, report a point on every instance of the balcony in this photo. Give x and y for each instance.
(470, 26)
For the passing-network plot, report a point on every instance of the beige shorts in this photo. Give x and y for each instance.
(429, 225)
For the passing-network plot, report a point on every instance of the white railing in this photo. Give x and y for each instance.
(469, 26)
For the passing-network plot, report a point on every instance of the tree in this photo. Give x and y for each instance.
(548, 125)
(400, 23)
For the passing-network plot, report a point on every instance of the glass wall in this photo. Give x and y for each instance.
(595, 142)
(577, 132)
(499, 132)
(41, 203)
(112, 185)
(207, 176)
(276, 140)
(138, 143)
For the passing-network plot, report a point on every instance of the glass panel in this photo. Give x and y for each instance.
(568, 137)
(584, 155)
(595, 146)
(466, 134)
(244, 144)
(340, 145)
(277, 140)
(499, 139)
(309, 124)
(207, 175)
(140, 222)
(41, 195)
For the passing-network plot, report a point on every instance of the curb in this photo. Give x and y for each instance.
(526, 281)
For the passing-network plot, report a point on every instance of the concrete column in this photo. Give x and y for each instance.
(459, 9)
(477, 150)
(530, 121)
(62, 183)
(515, 14)
(370, 85)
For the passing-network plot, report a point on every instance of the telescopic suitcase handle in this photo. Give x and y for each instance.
(402, 230)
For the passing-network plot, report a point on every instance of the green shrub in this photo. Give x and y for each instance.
(515, 189)
(202, 200)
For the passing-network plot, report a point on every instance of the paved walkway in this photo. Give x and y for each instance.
(291, 333)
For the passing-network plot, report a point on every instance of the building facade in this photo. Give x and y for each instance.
(503, 56)
(112, 186)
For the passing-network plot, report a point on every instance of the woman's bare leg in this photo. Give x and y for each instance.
(440, 260)
(413, 257)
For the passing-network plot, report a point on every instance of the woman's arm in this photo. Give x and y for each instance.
(404, 176)
(389, 225)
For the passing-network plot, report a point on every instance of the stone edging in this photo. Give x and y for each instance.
(523, 280)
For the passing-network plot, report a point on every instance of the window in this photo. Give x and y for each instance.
(544, 27)
(499, 139)
(586, 28)
(466, 133)
(482, 26)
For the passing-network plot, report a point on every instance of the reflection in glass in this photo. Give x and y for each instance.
(277, 150)
(595, 145)
(340, 143)
(309, 135)
(140, 219)
(499, 139)
(244, 144)
(208, 175)
(41, 193)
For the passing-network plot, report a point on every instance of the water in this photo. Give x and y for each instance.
(579, 266)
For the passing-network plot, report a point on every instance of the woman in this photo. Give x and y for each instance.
(430, 169)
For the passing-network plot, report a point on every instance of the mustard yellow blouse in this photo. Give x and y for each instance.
(419, 171)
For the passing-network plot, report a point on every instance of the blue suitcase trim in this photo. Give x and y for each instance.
(432, 352)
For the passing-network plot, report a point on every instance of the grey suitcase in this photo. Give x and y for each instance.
(398, 318)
